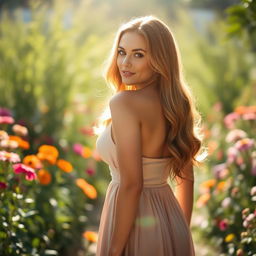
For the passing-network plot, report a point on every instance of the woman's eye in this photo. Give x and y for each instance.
(140, 55)
(137, 54)
(121, 52)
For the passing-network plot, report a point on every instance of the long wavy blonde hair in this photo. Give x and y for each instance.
(184, 138)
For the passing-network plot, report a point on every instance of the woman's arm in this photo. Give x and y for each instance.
(126, 128)
(184, 192)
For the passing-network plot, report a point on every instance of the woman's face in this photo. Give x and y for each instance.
(133, 59)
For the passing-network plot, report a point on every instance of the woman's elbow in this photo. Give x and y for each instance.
(135, 188)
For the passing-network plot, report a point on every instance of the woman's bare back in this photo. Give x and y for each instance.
(153, 123)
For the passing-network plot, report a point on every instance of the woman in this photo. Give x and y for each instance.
(152, 134)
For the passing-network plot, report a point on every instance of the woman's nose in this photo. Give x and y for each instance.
(126, 60)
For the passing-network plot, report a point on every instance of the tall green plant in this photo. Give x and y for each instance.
(45, 61)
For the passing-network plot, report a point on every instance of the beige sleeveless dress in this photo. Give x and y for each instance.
(160, 228)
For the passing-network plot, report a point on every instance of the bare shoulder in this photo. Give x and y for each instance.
(125, 99)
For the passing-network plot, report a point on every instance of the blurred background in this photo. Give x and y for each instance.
(52, 93)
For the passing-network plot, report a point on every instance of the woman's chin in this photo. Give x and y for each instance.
(127, 83)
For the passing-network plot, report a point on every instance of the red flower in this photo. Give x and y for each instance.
(223, 224)
(28, 171)
(3, 185)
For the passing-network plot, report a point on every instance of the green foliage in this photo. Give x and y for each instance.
(45, 61)
(241, 21)
(230, 70)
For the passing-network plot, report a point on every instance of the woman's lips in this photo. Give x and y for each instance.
(127, 73)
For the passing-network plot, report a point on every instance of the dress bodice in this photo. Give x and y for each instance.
(155, 171)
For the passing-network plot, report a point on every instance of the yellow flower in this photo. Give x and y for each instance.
(229, 238)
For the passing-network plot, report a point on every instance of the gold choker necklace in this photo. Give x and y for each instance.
(133, 87)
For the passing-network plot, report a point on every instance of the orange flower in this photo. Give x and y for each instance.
(86, 153)
(87, 188)
(241, 109)
(96, 155)
(221, 186)
(32, 161)
(208, 184)
(22, 143)
(49, 158)
(212, 146)
(48, 153)
(207, 133)
(49, 150)
(15, 138)
(245, 109)
(91, 236)
(64, 165)
(44, 177)
(203, 199)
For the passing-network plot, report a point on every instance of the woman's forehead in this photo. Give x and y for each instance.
(132, 40)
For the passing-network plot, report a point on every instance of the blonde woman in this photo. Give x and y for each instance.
(152, 135)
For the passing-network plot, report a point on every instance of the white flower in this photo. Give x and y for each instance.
(253, 191)
(226, 202)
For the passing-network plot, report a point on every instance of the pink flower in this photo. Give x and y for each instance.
(3, 185)
(87, 131)
(249, 116)
(218, 170)
(9, 157)
(232, 154)
(90, 171)
(235, 135)
(244, 144)
(28, 171)
(230, 119)
(78, 148)
(250, 217)
(6, 120)
(223, 224)
(5, 112)
(245, 212)
(245, 223)
(31, 175)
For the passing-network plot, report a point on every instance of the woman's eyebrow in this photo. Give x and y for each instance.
(138, 49)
